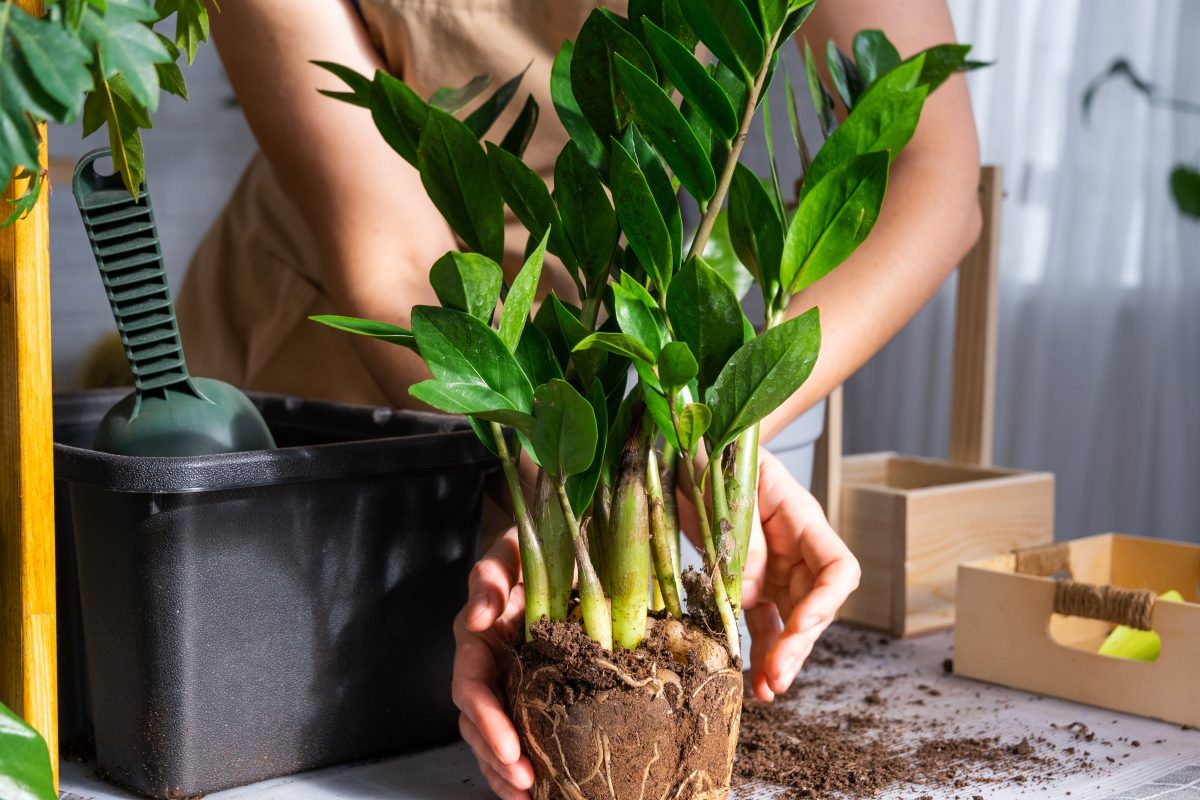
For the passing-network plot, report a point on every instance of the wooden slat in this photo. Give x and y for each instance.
(972, 405)
(827, 455)
(27, 612)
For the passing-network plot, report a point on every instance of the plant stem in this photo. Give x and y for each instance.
(557, 548)
(666, 579)
(533, 566)
(596, 620)
(704, 230)
(670, 480)
(722, 522)
(601, 506)
(740, 478)
(629, 541)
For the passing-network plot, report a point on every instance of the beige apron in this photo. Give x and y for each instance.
(256, 278)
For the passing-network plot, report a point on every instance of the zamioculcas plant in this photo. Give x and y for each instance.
(610, 699)
(25, 771)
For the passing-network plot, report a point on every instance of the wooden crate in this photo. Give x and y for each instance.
(1010, 630)
(911, 521)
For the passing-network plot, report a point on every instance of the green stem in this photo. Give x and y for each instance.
(740, 478)
(670, 480)
(533, 566)
(704, 230)
(666, 579)
(722, 522)
(596, 620)
(629, 542)
(598, 532)
(558, 550)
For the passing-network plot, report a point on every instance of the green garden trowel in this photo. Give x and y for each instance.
(169, 413)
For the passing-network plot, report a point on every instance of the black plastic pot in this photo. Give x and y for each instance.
(257, 614)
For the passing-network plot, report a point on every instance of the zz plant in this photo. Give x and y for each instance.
(646, 117)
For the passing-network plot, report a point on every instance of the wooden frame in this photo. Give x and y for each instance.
(28, 680)
(911, 521)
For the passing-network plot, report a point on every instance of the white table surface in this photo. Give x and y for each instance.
(1165, 765)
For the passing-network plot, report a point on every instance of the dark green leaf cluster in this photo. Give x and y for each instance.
(99, 59)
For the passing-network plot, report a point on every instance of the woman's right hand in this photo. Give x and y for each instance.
(484, 633)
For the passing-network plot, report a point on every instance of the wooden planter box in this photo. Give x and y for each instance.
(1009, 631)
(912, 521)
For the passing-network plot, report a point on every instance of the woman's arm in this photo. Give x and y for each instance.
(929, 219)
(376, 231)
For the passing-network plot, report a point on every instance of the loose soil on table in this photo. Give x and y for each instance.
(856, 740)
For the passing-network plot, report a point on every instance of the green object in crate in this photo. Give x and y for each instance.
(169, 413)
(1126, 642)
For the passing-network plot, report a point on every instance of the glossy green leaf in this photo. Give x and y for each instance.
(21, 205)
(705, 313)
(755, 228)
(943, 60)
(659, 119)
(564, 330)
(537, 357)
(399, 114)
(773, 188)
(846, 79)
(640, 217)
(591, 147)
(191, 23)
(667, 15)
(638, 318)
(794, 121)
(772, 13)
(451, 98)
(468, 282)
(481, 119)
(521, 295)
(833, 219)
(798, 12)
(885, 119)
(454, 171)
(581, 486)
(459, 348)
(466, 397)
(564, 435)
(761, 375)
(360, 85)
(593, 80)
(620, 343)
(586, 212)
(1185, 188)
(25, 772)
(694, 421)
(720, 255)
(368, 327)
(665, 191)
(728, 30)
(676, 366)
(821, 99)
(692, 79)
(874, 54)
(113, 105)
(521, 131)
(526, 194)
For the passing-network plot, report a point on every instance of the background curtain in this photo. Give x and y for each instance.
(1099, 363)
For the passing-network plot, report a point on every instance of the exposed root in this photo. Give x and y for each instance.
(628, 679)
(646, 772)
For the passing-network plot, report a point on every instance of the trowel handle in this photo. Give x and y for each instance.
(125, 242)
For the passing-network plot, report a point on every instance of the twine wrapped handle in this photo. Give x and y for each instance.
(1131, 607)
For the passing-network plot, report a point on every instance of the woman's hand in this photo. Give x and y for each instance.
(484, 631)
(798, 573)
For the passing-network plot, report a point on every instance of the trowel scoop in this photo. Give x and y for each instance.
(169, 413)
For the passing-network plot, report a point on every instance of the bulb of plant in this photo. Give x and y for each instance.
(616, 693)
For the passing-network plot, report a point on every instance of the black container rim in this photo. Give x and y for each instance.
(448, 442)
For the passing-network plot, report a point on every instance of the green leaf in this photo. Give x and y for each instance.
(705, 313)
(720, 255)
(676, 366)
(451, 99)
(640, 216)
(563, 437)
(461, 349)
(885, 119)
(659, 118)
(22, 205)
(692, 80)
(772, 14)
(191, 23)
(874, 54)
(620, 343)
(481, 119)
(54, 58)
(383, 331)
(126, 45)
(943, 60)
(694, 421)
(113, 104)
(360, 85)
(581, 486)
(833, 219)
(466, 397)
(569, 113)
(637, 317)
(821, 99)
(755, 228)
(399, 114)
(846, 80)
(520, 296)
(454, 171)
(665, 191)
(25, 772)
(170, 78)
(587, 215)
(593, 81)
(728, 30)
(1185, 188)
(665, 14)
(526, 194)
(536, 356)
(761, 375)
(521, 131)
(562, 327)
(467, 282)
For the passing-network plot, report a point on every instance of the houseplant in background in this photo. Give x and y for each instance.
(610, 699)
